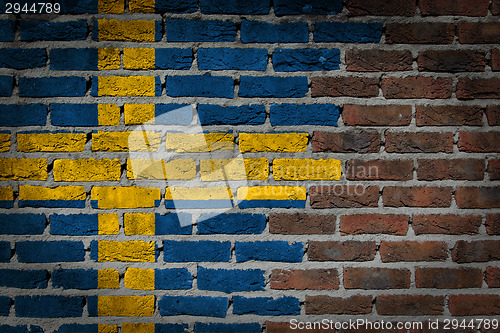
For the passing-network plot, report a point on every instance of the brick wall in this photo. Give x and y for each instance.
(344, 164)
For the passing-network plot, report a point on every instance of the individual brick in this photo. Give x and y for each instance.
(378, 60)
(108, 279)
(413, 305)
(231, 224)
(82, 224)
(287, 60)
(453, 61)
(413, 251)
(353, 305)
(162, 7)
(56, 197)
(197, 143)
(173, 58)
(492, 277)
(24, 279)
(345, 86)
(48, 306)
(416, 87)
(86, 7)
(475, 251)
(68, 59)
(121, 306)
(87, 170)
(271, 197)
(386, 8)
(280, 251)
(66, 86)
(110, 197)
(7, 30)
(231, 115)
(416, 196)
(200, 86)
(183, 30)
(108, 58)
(430, 142)
(51, 141)
(5, 304)
(230, 280)
(492, 224)
(343, 196)
(448, 7)
(128, 251)
(174, 278)
(243, 8)
(306, 169)
(198, 197)
(156, 224)
(272, 142)
(45, 252)
(478, 142)
(474, 305)
(263, 32)
(346, 142)
(5, 251)
(235, 59)
(158, 114)
(456, 169)
(347, 32)
(448, 278)
(200, 251)
(221, 327)
(127, 31)
(493, 115)
(478, 32)
(53, 31)
(376, 278)
(341, 251)
(22, 224)
(317, 279)
(379, 170)
(234, 169)
(376, 115)
(139, 278)
(195, 306)
(143, 86)
(6, 197)
(23, 169)
(145, 141)
(138, 58)
(6, 85)
(495, 7)
(304, 114)
(4, 141)
(266, 306)
(450, 224)
(419, 33)
(374, 224)
(478, 88)
(273, 86)
(297, 7)
(84, 114)
(75, 279)
(22, 58)
(301, 224)
(445, 115)
(183, 169)
(14, 115)
(477, 197)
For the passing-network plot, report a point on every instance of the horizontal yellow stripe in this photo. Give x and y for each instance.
(145, 141)
(51, 142)
(198, 143)
(28, 192)
(23, 169)
(108, 115)
(272, 193)
(109, 197)
(178, 169)
(273, 142)
(304, 169)
(198, 193)
(136, 114)
(87, 170)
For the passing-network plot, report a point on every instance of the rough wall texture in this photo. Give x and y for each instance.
(227, 166)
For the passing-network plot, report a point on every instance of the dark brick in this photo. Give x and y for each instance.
(478, 32)
(379, 170)
(416, 87)
(477, 197)
(448, 115)
(409, 305)
(453, 61)
(456, 169)
(449, 224)
(294, 60)
(347, 142)
(316, 279)
(347, 32)
(376, 278)
(341, 251)
(478, 142)
(182, 30)
(374, 224)
(474, 305)
(492, 277)
(345, 86)
(297, 7)
(323, 304)
(384, 8)
(448, 278)
(376, 115)
(476, 251)
(235, 7)
(343, 196)
(22, 58)
(416, 196)
(263, 32)
(495, 60)
(378, 60)
(53, 31)
(493, 224)
(419, 142)
(478, 88)
(413, 251)
(493, 115)
(419, 33)
(301, 224)
(454, 7)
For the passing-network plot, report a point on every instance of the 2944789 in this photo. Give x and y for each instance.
(32, 8)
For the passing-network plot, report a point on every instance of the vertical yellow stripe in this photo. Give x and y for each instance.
(111, 6)
(104, 328)
(108, 279)
(108, 58)
(141, 6)
(108, 224)
(108, 115)
(138, 328)
(136, 114)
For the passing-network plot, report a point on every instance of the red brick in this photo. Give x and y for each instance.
(453, 61)
(495, 7)
(448, 278)
(494, 169)
(479, 142)
(474, 305)
(454, 7)
(301, 224)
(413, 251)
(492, 277)
(449, 224)
(478, 197)
(416, 196)
(384, 8)
(493, 115)
(344, 86)
(376, 278)
(323, 304)
(493, 224)
(376, 115)
(456, 169)
(478, 88)
(478, 32)
(421, 142)
(319, 279)
(476, 251)
(374, 224)
(448, 115)
(378, 60)
(416, 87)
(348, 142)
(286, 327)
(341, 251)
(343, 196)
(495, 59)
(409, 305)
(379, 170)
(419, 33)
